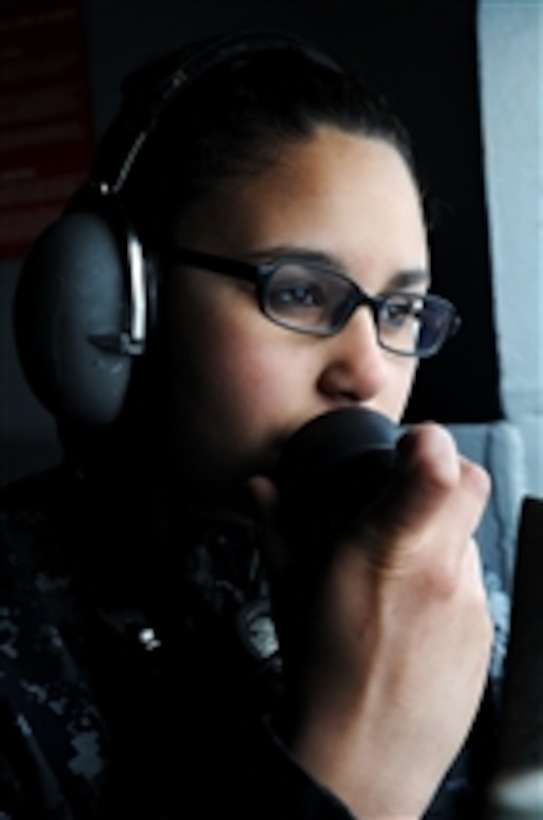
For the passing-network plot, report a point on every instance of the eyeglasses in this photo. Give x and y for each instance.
(309, 296)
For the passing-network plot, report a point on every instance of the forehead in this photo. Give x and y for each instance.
(336, 192)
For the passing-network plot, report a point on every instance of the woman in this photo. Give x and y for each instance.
(221, 669)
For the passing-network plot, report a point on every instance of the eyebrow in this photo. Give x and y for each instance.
(401, 280)
(409, 278)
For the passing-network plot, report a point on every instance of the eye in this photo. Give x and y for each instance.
(401, 310)
(310, 298)
(301, 295)
(294, 288)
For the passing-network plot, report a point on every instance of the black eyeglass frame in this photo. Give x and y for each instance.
(260, 273)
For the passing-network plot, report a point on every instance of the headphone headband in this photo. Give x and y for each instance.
(150, 90)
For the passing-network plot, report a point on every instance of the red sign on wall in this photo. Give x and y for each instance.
(46, 135)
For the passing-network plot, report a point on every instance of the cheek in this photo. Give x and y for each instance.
(233, 388)
(254, 377)
(239, 358)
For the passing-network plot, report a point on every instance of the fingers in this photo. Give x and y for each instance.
(431, 470)
(435, 492)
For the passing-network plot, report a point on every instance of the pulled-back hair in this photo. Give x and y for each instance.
(233, 119)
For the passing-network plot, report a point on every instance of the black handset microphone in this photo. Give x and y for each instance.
(332, 470)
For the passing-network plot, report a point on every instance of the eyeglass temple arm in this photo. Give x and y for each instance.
(228, 267)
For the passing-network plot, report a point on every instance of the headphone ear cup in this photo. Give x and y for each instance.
(72, 289)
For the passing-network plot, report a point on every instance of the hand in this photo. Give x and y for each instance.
(387, 647)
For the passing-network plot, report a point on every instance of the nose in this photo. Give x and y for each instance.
(355, 369)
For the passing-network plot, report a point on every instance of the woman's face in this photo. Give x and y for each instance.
(239, 384)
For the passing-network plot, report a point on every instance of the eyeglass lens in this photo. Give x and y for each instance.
(317, 300)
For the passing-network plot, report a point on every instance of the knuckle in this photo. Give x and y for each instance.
(439, 580)
(476, 479)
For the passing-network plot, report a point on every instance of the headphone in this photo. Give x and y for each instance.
(86, 300)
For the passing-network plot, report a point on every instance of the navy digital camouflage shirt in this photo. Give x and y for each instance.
(140, 674)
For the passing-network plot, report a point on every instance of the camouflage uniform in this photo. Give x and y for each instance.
(140, 676)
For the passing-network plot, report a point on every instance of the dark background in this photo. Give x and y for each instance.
(423, 55)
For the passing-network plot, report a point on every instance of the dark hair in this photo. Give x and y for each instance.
(233, 120)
